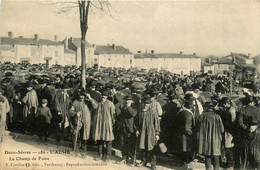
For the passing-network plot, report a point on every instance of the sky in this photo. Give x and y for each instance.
(201, 27)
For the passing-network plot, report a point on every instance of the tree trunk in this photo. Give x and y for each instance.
(83, 60)
(83, 12)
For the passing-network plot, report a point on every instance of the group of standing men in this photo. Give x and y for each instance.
(187, 124)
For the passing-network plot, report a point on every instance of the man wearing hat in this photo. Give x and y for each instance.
(149, 130)
(247, 114)
(253, 146)
(80, 118)
(10, 95)
(127, 128)
(4, 109)
(185, 126)
(104, 135)
(30, 101)
(154, 104)
(210, 136)
(228, 116)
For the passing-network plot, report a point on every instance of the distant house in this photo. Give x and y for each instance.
(256, 62)
(114, 56)
(75, 45)
(207, 68)
(69, 57)
(31, 50)
(231, 62)
(174, 62)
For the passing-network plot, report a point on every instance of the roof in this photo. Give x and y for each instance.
(203, 64)
(234, 58)
(107, 49)
(7, 48)
(27, 41)
(165, 55)
(256, 59)
(66, 50)
(77, 42)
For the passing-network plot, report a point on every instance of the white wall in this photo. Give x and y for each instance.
(175, 65)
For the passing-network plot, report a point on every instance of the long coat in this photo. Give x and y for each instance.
(62, 104)
(84, 119)
(125, 120)
(185, 124)
(31, 103)
(104, 122)
(210, 134)
(149, 127)
(4, 109)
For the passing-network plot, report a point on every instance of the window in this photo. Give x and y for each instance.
(131, 61)
(56, 53)
(108, 59)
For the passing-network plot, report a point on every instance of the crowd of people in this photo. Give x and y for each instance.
(143, 112)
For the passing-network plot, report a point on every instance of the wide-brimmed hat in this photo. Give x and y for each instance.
(29, 85)
(189, 96)
(209, 104)
(189, 104)
(171, 95)
(129, 97)
(225, 100)
(9, 74)
(105, 93)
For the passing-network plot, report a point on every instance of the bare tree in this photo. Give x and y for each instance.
(85, 7)
(83, 13)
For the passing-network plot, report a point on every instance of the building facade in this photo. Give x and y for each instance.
(75, 45)
(69, 57)
(113, 56)
(31, 50)
(176, 63)
(231, 62)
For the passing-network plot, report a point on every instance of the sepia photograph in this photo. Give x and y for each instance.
(129, 84)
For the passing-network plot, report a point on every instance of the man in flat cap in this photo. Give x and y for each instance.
(44, 117)
(104, 135)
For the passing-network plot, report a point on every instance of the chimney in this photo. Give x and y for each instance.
(180, 52)
(194, 53)
(152, 51)
(94, 46)
(10, 35)
(139, 52)
(66, 42)
(231, 53)
(113, 46)
(36, 37)
(56, 38)
(248, 55)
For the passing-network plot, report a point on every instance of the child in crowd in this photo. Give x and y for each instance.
(44, 117)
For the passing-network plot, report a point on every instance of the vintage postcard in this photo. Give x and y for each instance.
(129, 84)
